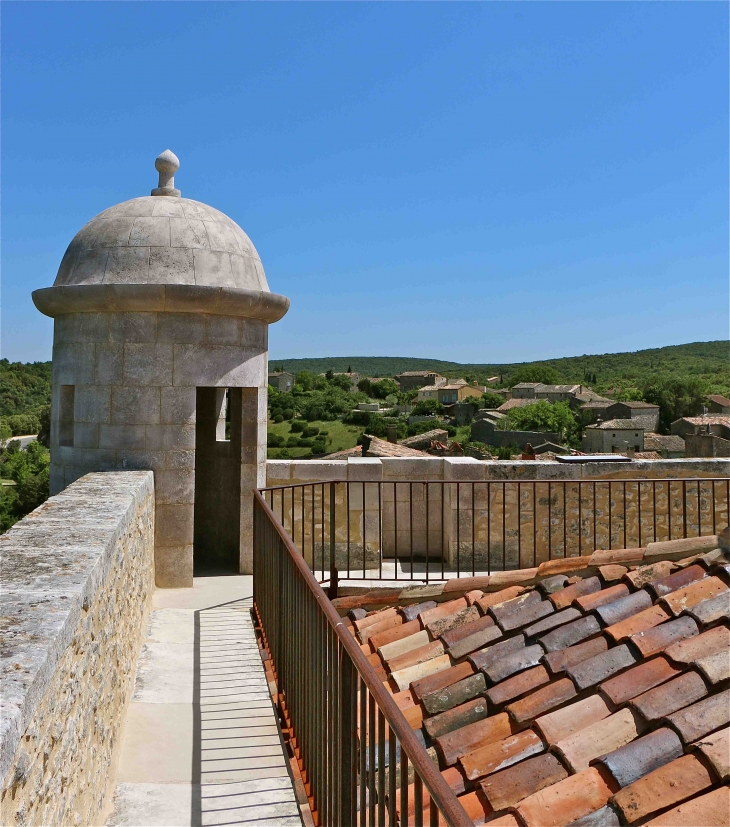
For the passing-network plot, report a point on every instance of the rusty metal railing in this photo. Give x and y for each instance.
(361, 763)
(435, 529)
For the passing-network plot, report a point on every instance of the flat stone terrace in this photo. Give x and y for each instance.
(201, 744)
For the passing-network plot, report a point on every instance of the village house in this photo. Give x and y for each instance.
(717, 404)
(644, 413)
(282, 381)
(448, 394)
(667, 445)
(613, 436)
(412, 380)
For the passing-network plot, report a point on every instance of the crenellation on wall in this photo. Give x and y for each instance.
(79, 573)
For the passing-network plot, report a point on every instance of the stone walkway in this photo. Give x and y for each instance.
(200, 744)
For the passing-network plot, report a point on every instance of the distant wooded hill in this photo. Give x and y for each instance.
(706, 360)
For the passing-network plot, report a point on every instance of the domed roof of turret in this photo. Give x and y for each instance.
(162, 239)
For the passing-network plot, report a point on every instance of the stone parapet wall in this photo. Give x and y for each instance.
(78, 575)
(508, 514)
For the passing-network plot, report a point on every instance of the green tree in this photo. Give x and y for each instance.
(676, 396)
(491, 400)
(542, 416)
(535, 373)
(30, 471)
(426, 407)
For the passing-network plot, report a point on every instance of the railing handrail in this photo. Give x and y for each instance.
(440, 792)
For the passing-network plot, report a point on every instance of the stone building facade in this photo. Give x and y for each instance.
(160, 361)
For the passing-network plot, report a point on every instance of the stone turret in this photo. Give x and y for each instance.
(160, 361)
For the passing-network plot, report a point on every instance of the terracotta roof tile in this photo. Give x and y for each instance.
(664, 787)
(441, 679)
(711, 610)
(579, 749)
(624, 607)
(569, 799)
(637, 680)
(642, 756)
(633, 686)
(570, 634)
(454, 695)
(699, 646)
(453, 745)
(605, 817)
(715, 668)
(552, 621)
(667, 585)
(501, 754)
(512, 688)
(588, 602)
(566, 596)
(641, 622)
(412, 612)
(716, 749)
(598, 668)
(556, 726)
(461, 716)
(709, 810)
(508, 787)
(495, 651)
(541, 701)
(657, 639)
(513, 663)
(702, 718)
(669, 697)
(455, 635)
(691, 595)
(559, 660)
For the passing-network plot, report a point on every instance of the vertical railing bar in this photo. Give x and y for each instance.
(626, 517)
(380, 528)
(638, 501)
(347, 490)
(610, 517)
(322, 549)
(699, 510)
(504, 526)
(653, 511)
(364, 529)
(489, 527)
(371, 760)
(684, 508)
(550, 520)
(473, 532)
(443, 528)
(714, 500)
(395, 525)
(410, 507)
(418, 801)
(403, 787)
(392, 745)
(669, 507)
(534, 523)
(428, 525)
(433, 814)
(363, 752)
(458, 535)
(595, 521)
(381, 769)
(565, 519)
(580, 519)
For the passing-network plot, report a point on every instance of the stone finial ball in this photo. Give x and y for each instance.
(167, 161)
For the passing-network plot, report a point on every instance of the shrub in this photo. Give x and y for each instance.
(289, 413)
(310, 431)
(274, 440)
(298, 426)
(319, 445)
(279, 418)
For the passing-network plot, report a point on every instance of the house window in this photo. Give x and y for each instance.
(66, 416)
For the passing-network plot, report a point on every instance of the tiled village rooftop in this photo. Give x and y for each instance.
(590, 692)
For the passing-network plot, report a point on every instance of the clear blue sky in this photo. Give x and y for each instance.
(477, 182)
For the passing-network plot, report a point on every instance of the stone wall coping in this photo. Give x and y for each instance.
(171, 298)
(53, 563)
(281, 472)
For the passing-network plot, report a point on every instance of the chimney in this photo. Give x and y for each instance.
(391, 430)
(528, 452)
(366, 440)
